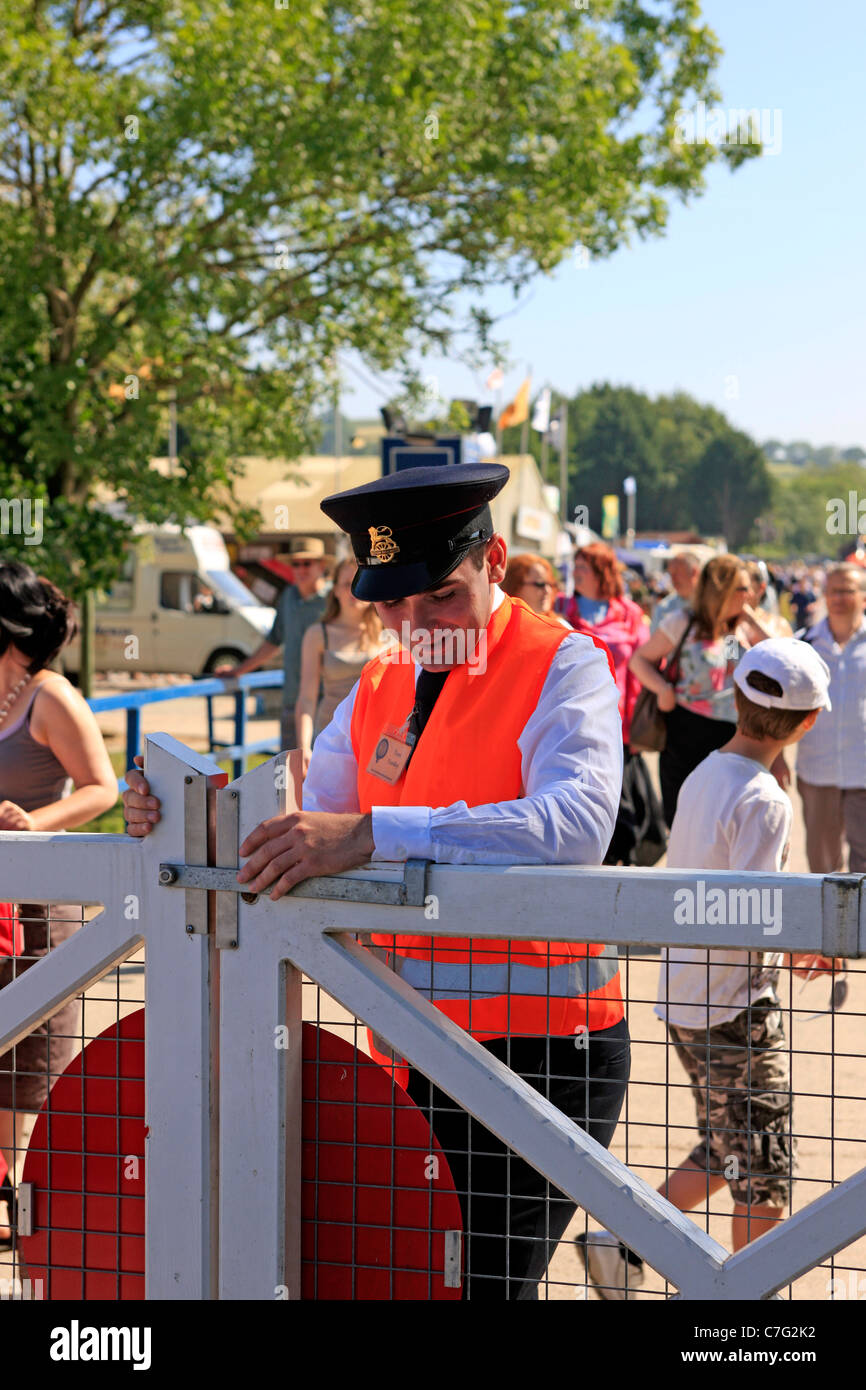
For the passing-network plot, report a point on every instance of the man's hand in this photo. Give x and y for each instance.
(140, 809)
(12, 817)
(285, 850)
(781, 772)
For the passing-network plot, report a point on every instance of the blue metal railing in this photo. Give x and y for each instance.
(238, 687)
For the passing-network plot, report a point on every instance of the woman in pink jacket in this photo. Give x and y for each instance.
(600, 607)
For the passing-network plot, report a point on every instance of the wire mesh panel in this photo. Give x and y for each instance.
(69, 1148)
(781, 1137)
(73, 1044)
(784, 1101)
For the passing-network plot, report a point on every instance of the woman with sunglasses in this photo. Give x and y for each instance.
(533, 579)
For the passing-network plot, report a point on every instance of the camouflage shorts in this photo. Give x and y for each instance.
(741, 1083)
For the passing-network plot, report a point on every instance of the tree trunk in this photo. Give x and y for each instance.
(88, 626)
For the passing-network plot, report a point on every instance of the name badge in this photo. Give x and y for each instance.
(391, 753)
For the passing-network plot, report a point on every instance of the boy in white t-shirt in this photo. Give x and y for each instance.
(721, 1008)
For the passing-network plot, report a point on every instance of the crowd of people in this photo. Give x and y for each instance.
(709, 648)
(706, 615)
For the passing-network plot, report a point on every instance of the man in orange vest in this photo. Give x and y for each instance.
(521, 763)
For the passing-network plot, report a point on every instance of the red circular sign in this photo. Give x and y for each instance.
(377, 1191)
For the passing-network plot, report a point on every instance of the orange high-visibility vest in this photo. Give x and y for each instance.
(468, 752)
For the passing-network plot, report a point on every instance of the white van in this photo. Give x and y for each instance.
(177, 607)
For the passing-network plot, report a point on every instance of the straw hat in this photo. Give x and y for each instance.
(305, 548)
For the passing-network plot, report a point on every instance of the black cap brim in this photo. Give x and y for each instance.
(384, 583)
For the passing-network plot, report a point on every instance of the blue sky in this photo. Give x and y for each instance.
(754, 299)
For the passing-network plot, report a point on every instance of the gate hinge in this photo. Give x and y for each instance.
(840, 903)
(453, 1259)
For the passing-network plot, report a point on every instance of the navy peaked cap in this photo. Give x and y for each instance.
(410, 529)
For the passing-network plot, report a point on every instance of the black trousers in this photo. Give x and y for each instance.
(513, 1219)
(691, 737)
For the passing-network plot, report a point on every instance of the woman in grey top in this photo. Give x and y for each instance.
(48, 736)
(333, 654)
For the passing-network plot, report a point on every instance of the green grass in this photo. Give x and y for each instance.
(111, 822)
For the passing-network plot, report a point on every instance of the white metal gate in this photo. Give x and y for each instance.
(224, 975)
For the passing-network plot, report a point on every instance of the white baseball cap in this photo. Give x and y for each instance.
(803, 675)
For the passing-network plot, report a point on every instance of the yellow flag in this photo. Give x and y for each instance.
(517, 410)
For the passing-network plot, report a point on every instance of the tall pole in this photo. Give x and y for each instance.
(563, 461)
(524, 428)
(629, 487)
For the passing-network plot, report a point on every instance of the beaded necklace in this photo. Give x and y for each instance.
(12, 697)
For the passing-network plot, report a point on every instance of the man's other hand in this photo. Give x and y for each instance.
(285, 850)
(808, 964)
(140, 809)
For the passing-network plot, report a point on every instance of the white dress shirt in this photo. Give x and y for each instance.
(571, 764)
(833, 753)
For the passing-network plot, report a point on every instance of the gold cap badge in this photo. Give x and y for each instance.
(382, 547)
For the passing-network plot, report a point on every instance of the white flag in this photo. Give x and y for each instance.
(495, 379)
(541, 414)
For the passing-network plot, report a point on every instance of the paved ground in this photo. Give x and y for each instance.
(656, 1130)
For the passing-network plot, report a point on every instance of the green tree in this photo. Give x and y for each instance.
(798, 521)
(616, 431)
(613, 433)
(206, 201)
(685, 429)
(731, 487)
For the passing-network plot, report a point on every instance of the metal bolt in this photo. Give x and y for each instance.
(234, 945)
(187, 779)
(234, 796)
(189, 928)
(168, 875)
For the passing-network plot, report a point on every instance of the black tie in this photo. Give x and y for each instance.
(427, 691)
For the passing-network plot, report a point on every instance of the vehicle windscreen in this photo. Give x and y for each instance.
(227, 585)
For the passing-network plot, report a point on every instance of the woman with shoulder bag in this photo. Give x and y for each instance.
(697, 697)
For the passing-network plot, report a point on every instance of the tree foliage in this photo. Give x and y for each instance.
(730, 487)
(208, 199)
(694, 471)
(800, 519)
